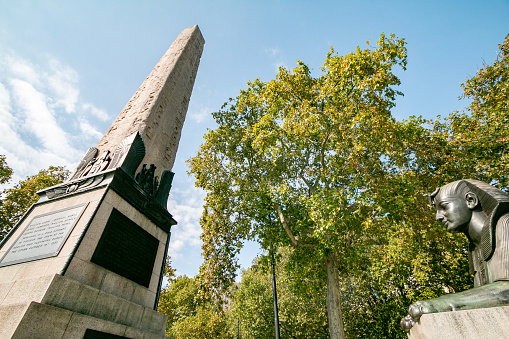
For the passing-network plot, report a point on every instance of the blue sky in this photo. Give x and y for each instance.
(67, 68)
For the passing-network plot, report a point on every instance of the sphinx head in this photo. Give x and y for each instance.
(455, 203)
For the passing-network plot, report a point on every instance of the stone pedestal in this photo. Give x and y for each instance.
(87, 260)
(484, 323)
(106, 276)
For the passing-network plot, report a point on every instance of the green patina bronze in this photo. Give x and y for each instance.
(481, 212)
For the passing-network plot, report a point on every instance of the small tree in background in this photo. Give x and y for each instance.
(15, 201)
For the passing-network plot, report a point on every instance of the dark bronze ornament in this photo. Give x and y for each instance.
(128, 155)
(151, 185)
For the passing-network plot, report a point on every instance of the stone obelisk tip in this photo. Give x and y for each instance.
(158, 109)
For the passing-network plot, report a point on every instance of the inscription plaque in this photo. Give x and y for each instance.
(126, 249)
(44, 236)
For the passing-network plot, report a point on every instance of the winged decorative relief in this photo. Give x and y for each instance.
(89, 156)
(129, 154)
(67, 188)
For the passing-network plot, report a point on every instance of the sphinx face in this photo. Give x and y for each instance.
(454, 213)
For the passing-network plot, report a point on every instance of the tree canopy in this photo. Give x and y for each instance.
(16, 200)
(311, 162)
(319, 163)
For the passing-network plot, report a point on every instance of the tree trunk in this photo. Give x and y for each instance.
(333, 300)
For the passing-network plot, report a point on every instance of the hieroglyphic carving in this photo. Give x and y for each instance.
(163, 96)
(97, 165)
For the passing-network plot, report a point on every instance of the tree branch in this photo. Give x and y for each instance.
(287, 229)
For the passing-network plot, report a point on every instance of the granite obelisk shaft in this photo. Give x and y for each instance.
(158, 109)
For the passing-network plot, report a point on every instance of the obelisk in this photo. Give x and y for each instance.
(86, 261)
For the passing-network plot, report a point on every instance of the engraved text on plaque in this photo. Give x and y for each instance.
(44, 236)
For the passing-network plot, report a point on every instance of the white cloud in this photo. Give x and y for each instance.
(23, 158)
(62, 82)
(43, 120)
(186, 206)
(96, 112)
(276, 55)
(200, 115)
(88, 130)
(19, 68)
(38, 120)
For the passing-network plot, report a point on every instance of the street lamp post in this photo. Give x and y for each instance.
(274, 297)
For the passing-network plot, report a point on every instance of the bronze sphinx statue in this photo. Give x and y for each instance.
(481, 212)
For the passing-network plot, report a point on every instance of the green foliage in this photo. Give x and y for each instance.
(479, 136)
(177, 300)
(301, 299)
(5, 171)
(206, 323)
(320, 163)
(188, 315)
(16, 200)
(291, 159)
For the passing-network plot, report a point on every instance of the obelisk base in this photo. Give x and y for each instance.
(481, 323)
(70, 309)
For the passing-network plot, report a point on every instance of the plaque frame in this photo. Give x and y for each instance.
(127, 249)
(62, 240)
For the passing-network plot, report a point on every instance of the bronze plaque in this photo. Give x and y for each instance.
(93, 334)
(44, 236)
(126, 249)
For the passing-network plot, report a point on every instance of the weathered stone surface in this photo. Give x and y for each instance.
(158, 109)
(45, 321)
(65, 293)
(483, 323)
(10, 316)
(50, 325)
(86, 272)
(24, 291)
(70, 295)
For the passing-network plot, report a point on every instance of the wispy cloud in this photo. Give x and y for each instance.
(88, 130)
(39, 120)
(43, 120)
(63, 84)
(96, 112)
(277, 57)
(186, 206)
(200, 115)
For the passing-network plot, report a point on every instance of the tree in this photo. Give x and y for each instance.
(301, 298)
(188, 315)
(178, 301)
(479, 135)
(302, 161)
(419, 263)
(5, 171)
(16, 200)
